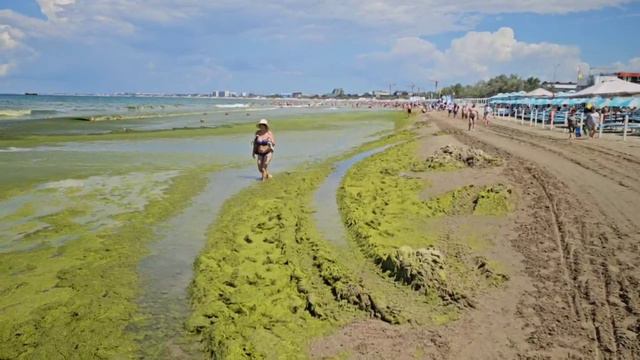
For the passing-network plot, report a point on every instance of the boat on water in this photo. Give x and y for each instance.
(30, 94)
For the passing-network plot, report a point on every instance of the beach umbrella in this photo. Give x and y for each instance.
(630, 102)
(540, 92)
(597, 101)
(618, 102)
(634, 102)
(609, 87)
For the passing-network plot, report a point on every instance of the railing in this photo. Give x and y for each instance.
(619, 122)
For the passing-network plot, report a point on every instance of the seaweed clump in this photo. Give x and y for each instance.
(382, 211)
(450, 157)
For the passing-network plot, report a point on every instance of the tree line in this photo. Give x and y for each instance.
(495, 85)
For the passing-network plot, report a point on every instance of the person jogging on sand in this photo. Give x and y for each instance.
(263, 145)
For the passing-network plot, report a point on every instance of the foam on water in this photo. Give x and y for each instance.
(91, 203)
(15, 149)
(7, 113)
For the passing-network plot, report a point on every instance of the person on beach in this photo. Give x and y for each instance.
(487, 112)
(592, 120)
(571, 122)
(263, 146)
(473, 114)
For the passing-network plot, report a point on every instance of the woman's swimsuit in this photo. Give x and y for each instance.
(257, 143)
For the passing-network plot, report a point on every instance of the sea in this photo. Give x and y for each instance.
(72, 114)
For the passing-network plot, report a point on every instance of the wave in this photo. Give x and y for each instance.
(14, 113)
(14, 149)
(231, 106)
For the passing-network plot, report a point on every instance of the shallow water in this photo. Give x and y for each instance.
(84, 186)
(93, 203)
(168, 271)
(327, 215)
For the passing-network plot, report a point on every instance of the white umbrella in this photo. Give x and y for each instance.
(609, 87)
(540, 92)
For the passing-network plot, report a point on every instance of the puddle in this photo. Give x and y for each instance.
(168, 271)
(327, 215)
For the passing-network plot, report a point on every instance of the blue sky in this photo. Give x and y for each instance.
(312, 46)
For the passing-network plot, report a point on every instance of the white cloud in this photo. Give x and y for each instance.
(475, 55)
(56, 10)
(631, 65)
(478, 55)
(11, 48)
(10, 37)
(398, 17)
(4, 69)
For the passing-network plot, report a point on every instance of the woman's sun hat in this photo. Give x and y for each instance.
(263, 122)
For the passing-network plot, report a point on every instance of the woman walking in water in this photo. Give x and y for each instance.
(263, 145)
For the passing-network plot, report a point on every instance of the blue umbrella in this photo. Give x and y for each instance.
(618, 102)
(631, 102)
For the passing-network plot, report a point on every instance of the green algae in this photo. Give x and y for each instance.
(492, 200)
(300, 122)
(79, 299)
(266, 283)
(451, 158)
(255, 294)
(382, 211)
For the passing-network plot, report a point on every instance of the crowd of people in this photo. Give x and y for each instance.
(577, 124)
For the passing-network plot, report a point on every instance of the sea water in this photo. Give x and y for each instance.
(65, 114)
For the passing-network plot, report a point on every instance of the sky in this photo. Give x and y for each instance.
(282, 46)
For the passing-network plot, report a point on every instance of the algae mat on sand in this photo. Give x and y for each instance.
(381, 206)
(76, 300)
(267, 283)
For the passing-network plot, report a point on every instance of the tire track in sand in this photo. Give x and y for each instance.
(602, 308)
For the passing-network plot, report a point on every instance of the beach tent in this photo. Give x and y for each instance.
(540, 92)
(610, 87)
(499, 96)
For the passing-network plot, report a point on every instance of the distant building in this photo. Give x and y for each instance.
(378, 93)
(559, 86)
(337, 92)
(633, 77)
(598, 75)
(296, 94)
(222, 93)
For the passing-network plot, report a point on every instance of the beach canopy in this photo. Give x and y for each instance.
(540, 92)
(610, 87)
